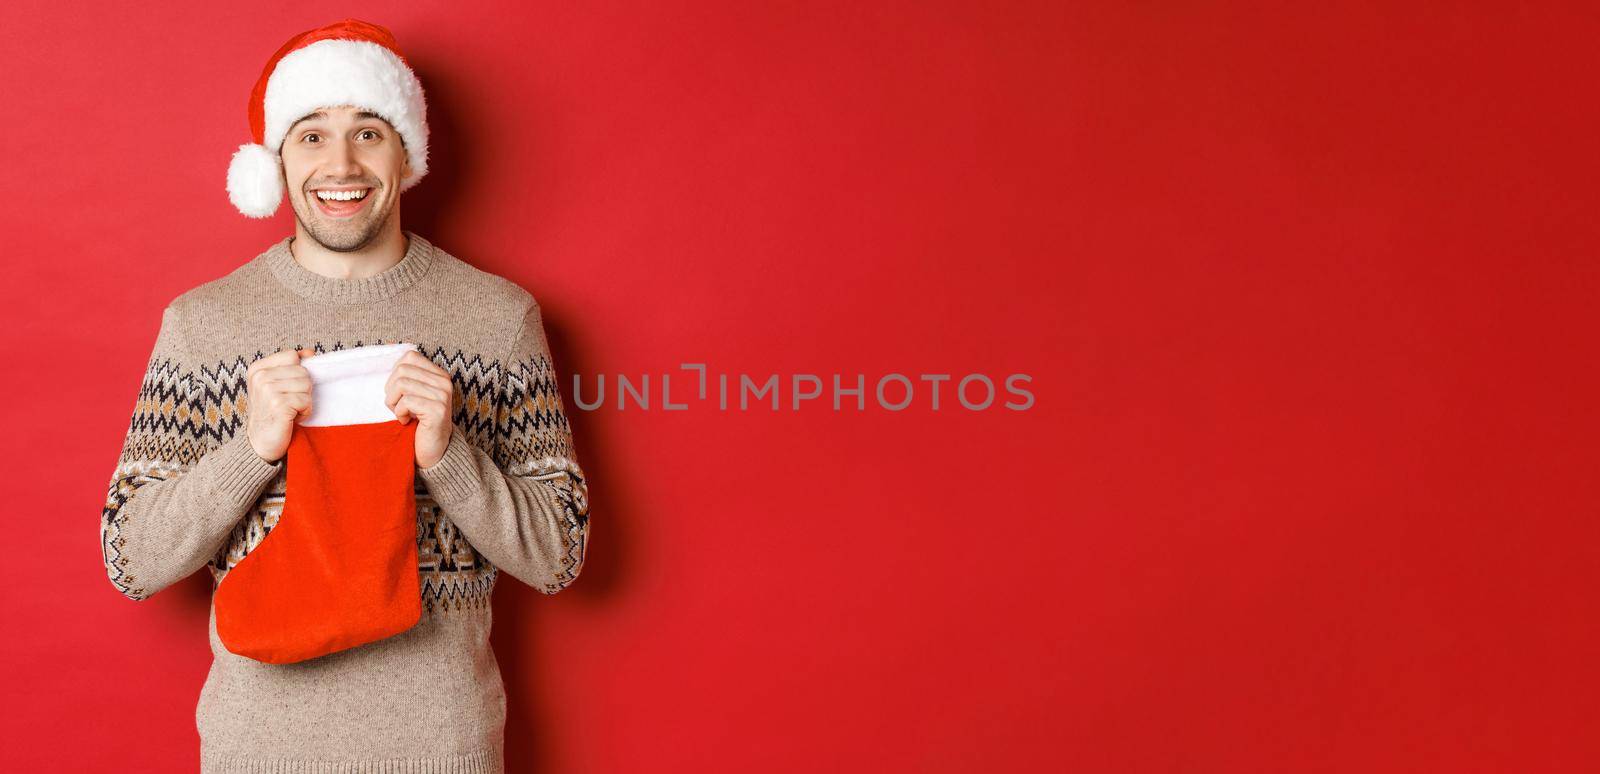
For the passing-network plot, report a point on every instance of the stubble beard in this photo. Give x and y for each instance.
(345, 237)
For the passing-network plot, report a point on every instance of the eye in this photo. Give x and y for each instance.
(374, 134)
(310, 136)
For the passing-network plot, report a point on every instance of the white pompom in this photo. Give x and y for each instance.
(255, 183)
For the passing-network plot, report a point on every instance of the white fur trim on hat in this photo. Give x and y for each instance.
(359, 73)
(255, 181)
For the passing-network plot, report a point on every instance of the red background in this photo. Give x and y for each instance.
(1309, 484)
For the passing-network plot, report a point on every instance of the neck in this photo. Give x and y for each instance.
(385, 250)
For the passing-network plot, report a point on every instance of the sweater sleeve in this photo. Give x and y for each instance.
(177, 490)
(525, 505)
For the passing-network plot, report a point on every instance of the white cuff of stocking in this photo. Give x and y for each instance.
(347, 384)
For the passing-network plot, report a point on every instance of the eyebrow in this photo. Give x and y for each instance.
(323, 114)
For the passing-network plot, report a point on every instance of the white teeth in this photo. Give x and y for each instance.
(342, 196)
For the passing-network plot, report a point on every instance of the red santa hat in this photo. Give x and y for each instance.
(349, 62)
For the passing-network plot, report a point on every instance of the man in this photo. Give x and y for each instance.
(340, 129)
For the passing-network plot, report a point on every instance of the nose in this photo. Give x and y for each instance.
(342, 163)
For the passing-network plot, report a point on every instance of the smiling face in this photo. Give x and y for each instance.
(342, 167)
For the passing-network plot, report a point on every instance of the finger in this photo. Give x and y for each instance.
(421, 410)
(284, 381)
(416, 359)
(267, 376)
(391, 392)
(403, 364)
(436, 376)
(440, 380)
(287, 368)
(414, 356)
(408, 379)
(281, 357)
(427, 385)
(266, 384)
(421, 389)
(299, 403)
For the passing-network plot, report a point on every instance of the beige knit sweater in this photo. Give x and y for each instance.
(189, 492)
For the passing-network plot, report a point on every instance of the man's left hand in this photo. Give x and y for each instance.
(419, 389)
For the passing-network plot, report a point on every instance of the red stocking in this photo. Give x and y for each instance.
(340, 567)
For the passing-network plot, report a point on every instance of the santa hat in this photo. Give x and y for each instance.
(350, 62)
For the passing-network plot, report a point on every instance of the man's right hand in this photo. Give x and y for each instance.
(279, 391)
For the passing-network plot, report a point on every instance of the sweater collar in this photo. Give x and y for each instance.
(308, 284)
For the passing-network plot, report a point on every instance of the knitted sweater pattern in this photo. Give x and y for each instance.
(188, 491)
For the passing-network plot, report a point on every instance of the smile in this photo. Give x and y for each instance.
(341, 202)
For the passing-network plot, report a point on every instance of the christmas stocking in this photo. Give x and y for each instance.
(340, 567)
